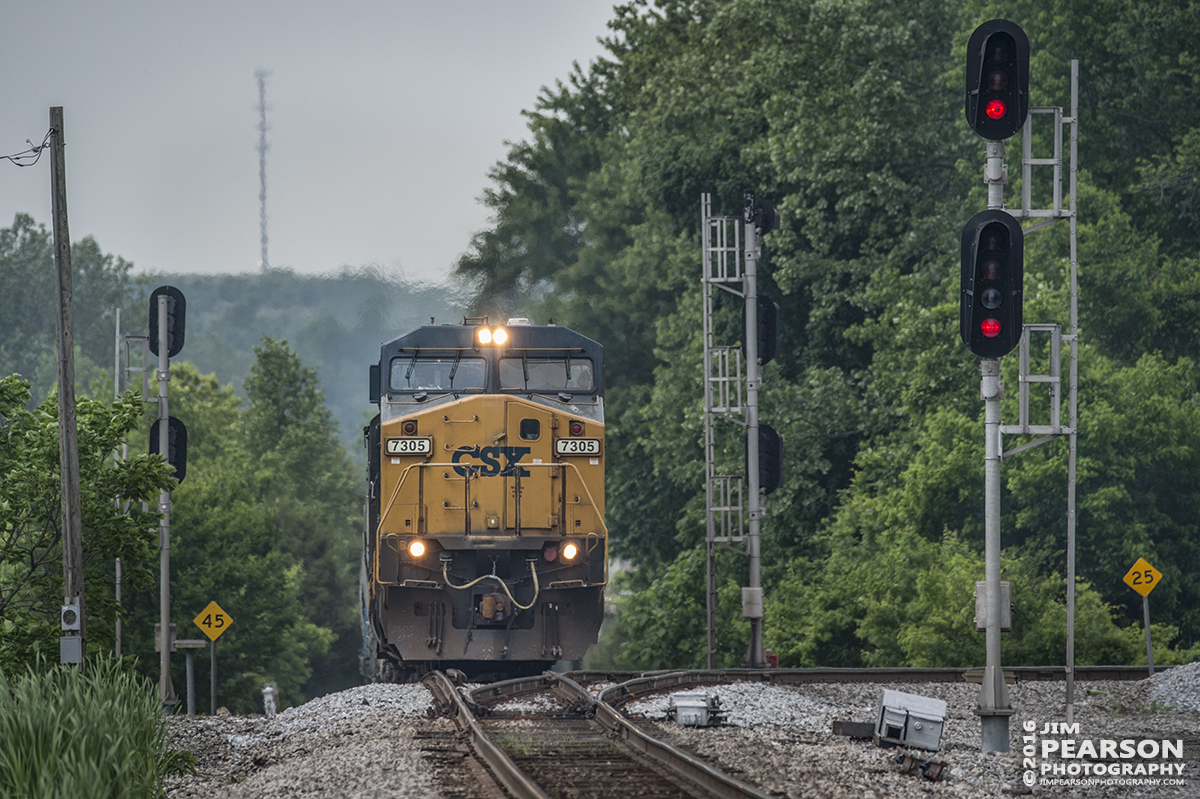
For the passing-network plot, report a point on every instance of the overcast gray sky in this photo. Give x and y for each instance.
(384, 120)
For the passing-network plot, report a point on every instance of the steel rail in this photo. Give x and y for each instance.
(506, 689)
(604, 708)
(688, 766)
(505, 771)
(637, 682)
(676, 760)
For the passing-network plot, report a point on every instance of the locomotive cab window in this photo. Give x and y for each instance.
(437, 373)
(547, 374)
(531, 429)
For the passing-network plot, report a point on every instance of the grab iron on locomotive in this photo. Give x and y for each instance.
(485, 548)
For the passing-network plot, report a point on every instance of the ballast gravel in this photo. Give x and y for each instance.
(780, 739)
(355, 743)
(364, 742)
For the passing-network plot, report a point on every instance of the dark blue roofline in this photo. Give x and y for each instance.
(535, 340)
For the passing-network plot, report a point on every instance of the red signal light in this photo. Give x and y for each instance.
(996, 109)
(990, 327)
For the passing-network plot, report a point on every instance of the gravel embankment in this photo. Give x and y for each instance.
(356, 743)
(780, 738)
(364, 742)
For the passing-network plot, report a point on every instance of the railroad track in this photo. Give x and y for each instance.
(563, 741)
(575, 745)
(881, 675)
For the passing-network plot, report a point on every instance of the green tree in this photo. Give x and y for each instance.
(226, 546)
(849, 117)
(31, 518)
(307, 482)
(101, 284)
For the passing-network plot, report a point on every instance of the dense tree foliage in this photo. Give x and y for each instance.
(267, 525)
(334, 322)
(849, 116)
(101, 284)
(31, 572)
(268, 521)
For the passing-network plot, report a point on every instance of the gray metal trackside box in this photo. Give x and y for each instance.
(909, 720)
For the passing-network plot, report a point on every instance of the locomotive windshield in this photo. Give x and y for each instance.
(546, 374)
(438, 373)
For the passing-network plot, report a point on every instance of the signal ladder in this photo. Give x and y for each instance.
(723, 494)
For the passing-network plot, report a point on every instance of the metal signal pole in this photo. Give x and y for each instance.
(73, 644)
(752, 595)
(994, 705)
(166, 690)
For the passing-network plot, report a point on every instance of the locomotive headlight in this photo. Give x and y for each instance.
(569, 552)
(416, 549)
(489, 336)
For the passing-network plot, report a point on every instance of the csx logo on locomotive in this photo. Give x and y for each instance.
(490, 458)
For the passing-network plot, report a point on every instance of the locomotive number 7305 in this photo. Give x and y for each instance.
(409, 446)
(577, 446)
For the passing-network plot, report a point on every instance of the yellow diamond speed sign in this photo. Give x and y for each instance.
(213, 621)
(1143, 577)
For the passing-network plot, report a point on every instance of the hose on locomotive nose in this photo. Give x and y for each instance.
(532, 568)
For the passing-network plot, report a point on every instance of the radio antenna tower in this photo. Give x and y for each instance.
(261, 75)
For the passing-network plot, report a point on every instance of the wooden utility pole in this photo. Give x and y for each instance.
(72, 531)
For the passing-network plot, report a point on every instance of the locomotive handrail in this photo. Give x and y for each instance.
(586, 490)
(404, 476)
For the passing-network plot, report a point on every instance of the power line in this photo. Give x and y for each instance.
(34, 152)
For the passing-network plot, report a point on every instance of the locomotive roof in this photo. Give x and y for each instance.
(520, 337)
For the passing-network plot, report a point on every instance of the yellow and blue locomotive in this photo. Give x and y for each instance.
(485, 547)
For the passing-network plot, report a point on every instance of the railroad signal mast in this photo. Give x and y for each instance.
(991, 319)
(168, 435)
(730, 518)
(990, 309)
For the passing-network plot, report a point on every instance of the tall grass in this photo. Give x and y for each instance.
(82, 737)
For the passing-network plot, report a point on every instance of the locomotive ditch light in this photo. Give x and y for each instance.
(416, 548)
(570, 551)
(489, 336)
